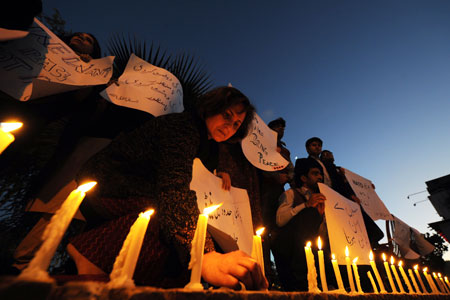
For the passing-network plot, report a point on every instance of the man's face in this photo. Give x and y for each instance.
(314, 149)
(327, 156)
(310, 181)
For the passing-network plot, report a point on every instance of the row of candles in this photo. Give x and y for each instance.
(437, 285)
(125, 263)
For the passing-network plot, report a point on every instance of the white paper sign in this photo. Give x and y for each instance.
(402, 237)
(148, 88)
(40, 64)
(345, 226)
(260, 147)
(370, 201)
(233, 218)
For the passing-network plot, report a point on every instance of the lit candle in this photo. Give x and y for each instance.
(377, 275)
(447, 282)
(6, 137)
(323, 277)
(422, 285)
(337, 273)
(405, 277)
(37, 269)
(447, 290)
(429, 280)
(413, 279)
(125, 264)
(388, 272)
(397, 278)
(349, 271)
(439, 288)
(357, 279)
(312, 273)
(374, 286)
(257, 252)
(197, 249)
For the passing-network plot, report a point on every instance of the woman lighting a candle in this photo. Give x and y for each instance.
(152, 166)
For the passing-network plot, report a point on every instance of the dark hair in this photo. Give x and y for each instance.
(277, 122)
(302, 167)
(96, 50)
(311, 140)
(219, 100)
(324, 151)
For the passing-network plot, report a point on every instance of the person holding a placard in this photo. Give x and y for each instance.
(152, 167)
(299, 219)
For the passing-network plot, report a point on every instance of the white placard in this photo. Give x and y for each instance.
(260, 147)
(146, 87)
(402, 237)
(233, 219)
(370, 201)
(40, 64)
(345, 226)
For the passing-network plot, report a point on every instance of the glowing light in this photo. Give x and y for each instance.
(147, 214)
(355, 260)
(392, 260)
(10, 126)
(333, 257)
(400, 263)
(371, 255)
(308, 244)
(87, 186)
(383, 256)
(416, 267)
(210, 209)
(425, 269)
(260, 231)
(319, 243)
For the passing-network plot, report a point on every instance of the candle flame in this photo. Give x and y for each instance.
(87, 186)
(439, 274)
(346, 251)
(308, 245)
(147, 213)
(434, 274)
(416, 267)
(392, 260)
(425, 269)
(319, 243)
(260, 231)
(210, 209)
(355, 260)
(333, 257)
(371, 255)
(10, 126)
(446, 279)
(400, 263)
(383, 256)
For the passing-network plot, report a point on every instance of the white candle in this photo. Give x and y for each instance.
(430, 284)
(357, 279)
(257, 251)
(374, 286)
(388, 272)
(405, 277)
(6, 138)
(125, 264)
(413, 279)
(37, 269)
(198, 247)
(312, 273)
(397, 278)
(323, 277)
(377, 275)
(337, 273)
(349, 271)
(446, 290)
(422, 285)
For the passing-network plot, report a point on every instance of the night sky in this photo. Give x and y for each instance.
(371, 78)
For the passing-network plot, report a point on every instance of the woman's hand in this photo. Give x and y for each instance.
(226, 180)
(229, 269)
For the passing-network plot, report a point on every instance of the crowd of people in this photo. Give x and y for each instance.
(146, 161)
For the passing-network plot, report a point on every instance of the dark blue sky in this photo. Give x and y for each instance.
(371, 78)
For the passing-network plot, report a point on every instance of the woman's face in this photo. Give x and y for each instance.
(222, 126)
(82, 43)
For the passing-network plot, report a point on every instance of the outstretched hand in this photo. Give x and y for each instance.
(227, 270)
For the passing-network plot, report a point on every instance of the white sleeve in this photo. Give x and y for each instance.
(286, 211)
